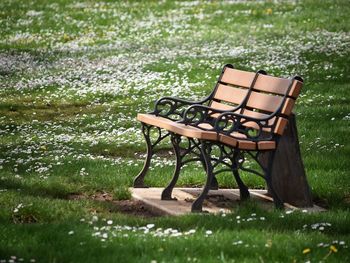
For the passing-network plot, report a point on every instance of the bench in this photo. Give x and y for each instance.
(244, 116)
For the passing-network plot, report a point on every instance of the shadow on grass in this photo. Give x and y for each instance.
(50, 191)
(245, 216)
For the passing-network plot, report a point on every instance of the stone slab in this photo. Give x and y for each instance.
(218, 201)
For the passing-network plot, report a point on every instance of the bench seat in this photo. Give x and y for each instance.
(193, 132)
(175, 127)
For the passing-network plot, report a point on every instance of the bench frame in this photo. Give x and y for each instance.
(223, 122)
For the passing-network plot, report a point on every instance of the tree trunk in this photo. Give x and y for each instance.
(288, 173)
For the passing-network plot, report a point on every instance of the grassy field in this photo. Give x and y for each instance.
(73, 76)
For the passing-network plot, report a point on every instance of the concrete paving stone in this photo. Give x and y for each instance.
(218, 201)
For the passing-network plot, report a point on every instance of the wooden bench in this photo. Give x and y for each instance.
(245, 115)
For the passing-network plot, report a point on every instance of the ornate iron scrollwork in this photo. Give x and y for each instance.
(252, 129)
(226, 156)
(186, 153)
(173, 108)
(146, 131)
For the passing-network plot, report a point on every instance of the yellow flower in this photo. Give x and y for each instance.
(269, 11)
(268, 243)
(333, 249)
(66, 38)
(306, 250)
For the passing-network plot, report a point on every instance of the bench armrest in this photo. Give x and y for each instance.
(199, 114)
(254, 129)
(173, 108)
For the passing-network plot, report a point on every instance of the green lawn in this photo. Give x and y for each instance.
(73, 76)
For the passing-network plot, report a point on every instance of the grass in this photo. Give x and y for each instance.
(73, 76)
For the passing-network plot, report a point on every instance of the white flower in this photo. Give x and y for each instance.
(191, 231)
(208, 232)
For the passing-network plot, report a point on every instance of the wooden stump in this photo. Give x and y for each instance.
(288, 173)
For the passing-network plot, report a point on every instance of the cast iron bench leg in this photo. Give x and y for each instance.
(166, 194)
(139, 179)
(214, 182)
(198, 203)
(243, 189)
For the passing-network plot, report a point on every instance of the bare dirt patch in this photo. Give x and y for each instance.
(129, 207)
(136, 208)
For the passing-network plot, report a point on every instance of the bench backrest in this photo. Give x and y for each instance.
(256, 95)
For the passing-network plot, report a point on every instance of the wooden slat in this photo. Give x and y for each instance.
(269, 103)
(238, 77)
(264, 102)
(221, 106)
(242, 144)
(178, 128)
(251, 124)
(255, 114)
(246, 145)
(280, 126)
(266, 145)
(278, 86)
(228, 140)
(295, 89)
(205, 126)
(288, 106)
(254, 125)
(230, 94)
(272, 84)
